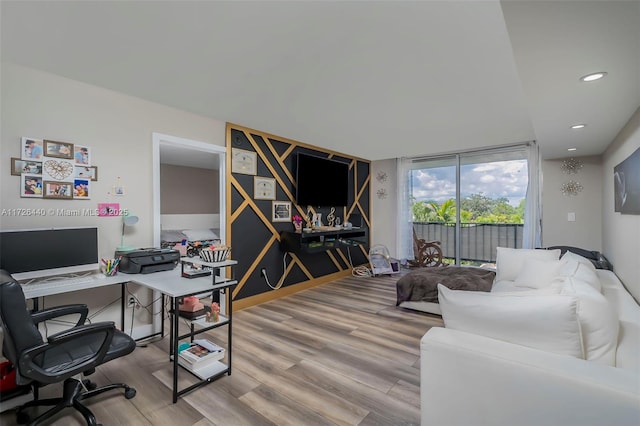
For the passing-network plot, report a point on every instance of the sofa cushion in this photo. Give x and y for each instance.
(537, 273)
(510, 261)
(548, 321)
(598, 322)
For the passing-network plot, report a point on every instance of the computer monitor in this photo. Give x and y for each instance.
(32, 253)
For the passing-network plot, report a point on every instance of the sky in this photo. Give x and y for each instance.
(494, 180)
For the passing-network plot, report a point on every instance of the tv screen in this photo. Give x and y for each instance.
(48, 249)
(322, 182)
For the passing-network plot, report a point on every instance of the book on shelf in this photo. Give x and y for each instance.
(200, 354)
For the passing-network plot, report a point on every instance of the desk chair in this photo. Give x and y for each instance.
(61, 356)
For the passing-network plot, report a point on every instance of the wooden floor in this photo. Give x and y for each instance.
(340, 353)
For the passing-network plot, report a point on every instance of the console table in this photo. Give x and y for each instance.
(319, 241)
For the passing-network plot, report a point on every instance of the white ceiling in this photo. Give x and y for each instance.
(372, 79)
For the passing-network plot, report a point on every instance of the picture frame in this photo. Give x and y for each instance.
(81, 189)
(18, 167)
(58, 149)
(58, 169)
(86, 172)
(244, 162)
(32, 149)
(264, 188)
(58, 190)
(30, 186)
(281, 211)
(81, 155)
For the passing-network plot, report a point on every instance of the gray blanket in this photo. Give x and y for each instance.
(422, 285)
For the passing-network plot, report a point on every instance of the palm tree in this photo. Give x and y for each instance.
(445, 212)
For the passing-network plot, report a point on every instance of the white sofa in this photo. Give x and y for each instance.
(468, 378)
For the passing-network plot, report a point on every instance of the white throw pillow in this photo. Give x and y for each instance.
(538, 273)
(546, 322)
(510, 261)
(589, 276)
(576, 257)
(598, 322)
(200, 234)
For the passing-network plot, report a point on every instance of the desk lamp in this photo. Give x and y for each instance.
(127, 220)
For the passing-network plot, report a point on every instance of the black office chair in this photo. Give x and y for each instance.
(61, 356)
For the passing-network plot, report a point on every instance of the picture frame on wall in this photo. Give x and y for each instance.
(58, 149)
(30, 186)
(18, 167)
(81, 155)
(264, 188)
(59, 190)
(281, 211)
(86, 172)
(244, 162)
(81, 189)
(58, 169)
(32, 149)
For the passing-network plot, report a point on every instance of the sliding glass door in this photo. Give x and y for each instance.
(470, 202)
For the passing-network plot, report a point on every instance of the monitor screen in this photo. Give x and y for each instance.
(321, 182)
(72, 249)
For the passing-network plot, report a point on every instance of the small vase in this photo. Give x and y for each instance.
(297, 226)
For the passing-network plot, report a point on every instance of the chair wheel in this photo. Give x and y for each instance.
(90, 385)
(130, 393)
(22, 418)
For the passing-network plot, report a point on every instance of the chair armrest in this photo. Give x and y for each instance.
(59, 311)
(67, 340)
(500, 383)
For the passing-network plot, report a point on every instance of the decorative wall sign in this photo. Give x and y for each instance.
(58, 169)
(281, 211)
(626, 181)
(244, 162)
(571, 166)
(264, 188)
(571, 188)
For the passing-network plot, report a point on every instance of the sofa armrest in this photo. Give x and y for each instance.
(470, 379)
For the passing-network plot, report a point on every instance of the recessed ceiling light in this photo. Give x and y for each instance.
(572, 149)
(578, 126)
(593, 76)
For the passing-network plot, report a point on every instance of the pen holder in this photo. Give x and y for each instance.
(109, 267)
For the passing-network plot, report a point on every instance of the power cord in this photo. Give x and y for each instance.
(281, 280)
(358, 271)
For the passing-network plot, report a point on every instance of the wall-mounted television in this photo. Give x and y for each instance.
(34, 253)
(321, 182)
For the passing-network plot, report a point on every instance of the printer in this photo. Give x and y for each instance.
(147, 260)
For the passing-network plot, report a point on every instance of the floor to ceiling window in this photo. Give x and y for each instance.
(471, 202)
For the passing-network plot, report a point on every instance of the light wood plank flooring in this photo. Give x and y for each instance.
(340, 353)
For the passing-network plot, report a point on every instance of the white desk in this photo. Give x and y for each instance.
(169, 283)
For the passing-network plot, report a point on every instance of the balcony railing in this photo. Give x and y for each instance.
(478, 241)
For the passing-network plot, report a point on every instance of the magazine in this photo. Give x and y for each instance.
(201, 353)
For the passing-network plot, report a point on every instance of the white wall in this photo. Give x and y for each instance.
(621, 232)
(586, 231)
(383, 210)
(118, 129)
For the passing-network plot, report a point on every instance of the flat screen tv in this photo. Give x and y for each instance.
(52, 251)
(321, 182)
